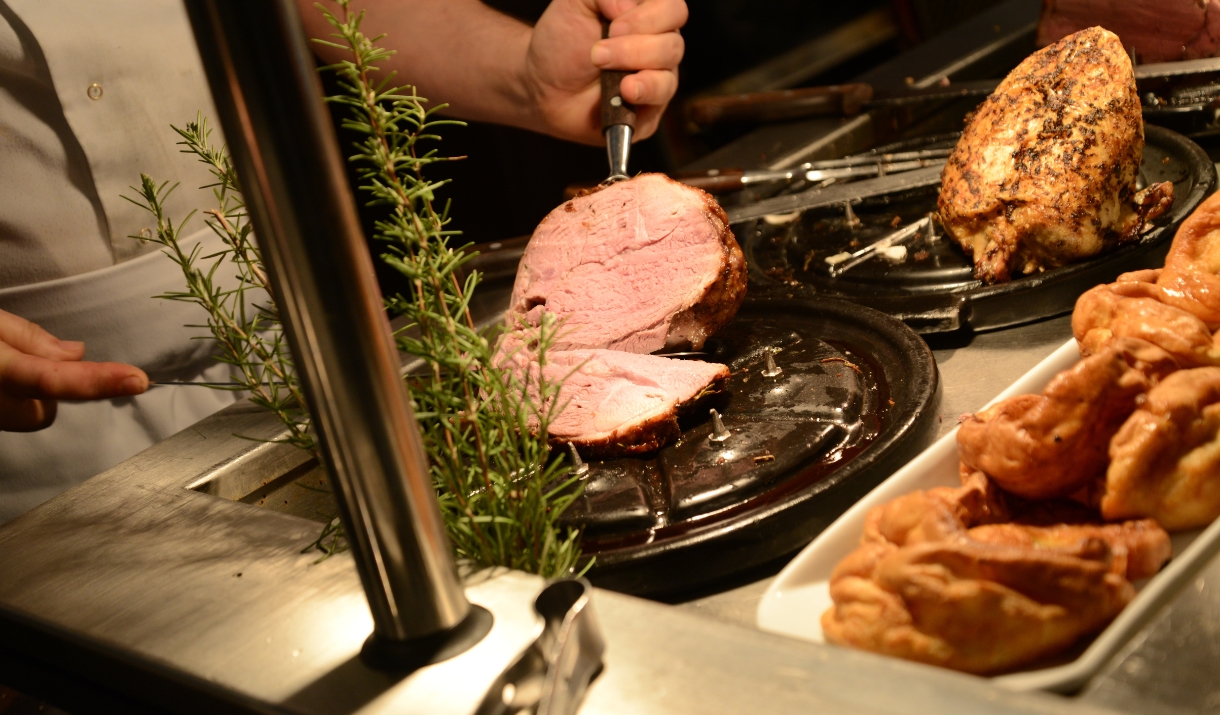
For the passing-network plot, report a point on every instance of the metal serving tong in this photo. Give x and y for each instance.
(618, 119)
(718, 181)
(551, 675)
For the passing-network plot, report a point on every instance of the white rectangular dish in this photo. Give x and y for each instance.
(794, 603)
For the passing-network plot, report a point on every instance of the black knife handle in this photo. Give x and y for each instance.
(615, 110)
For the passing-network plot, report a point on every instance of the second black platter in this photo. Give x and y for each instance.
(933, 289)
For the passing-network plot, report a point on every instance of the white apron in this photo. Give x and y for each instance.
(88, 91)
(112, 311)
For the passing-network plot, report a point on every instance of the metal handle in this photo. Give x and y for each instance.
(779, 105)
(551, 675)
(266, 88)
(618, 118)
(615, 109)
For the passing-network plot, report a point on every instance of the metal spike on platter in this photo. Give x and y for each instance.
(770, 369)
(853, 221)
(579, 468)
(719, 433)
(930, 234)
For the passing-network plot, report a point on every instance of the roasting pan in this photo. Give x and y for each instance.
(934, 290)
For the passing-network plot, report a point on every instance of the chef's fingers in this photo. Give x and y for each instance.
(655, 87)
(21, 415)
(31, 339)
(650, 17)
(639, 52)
(31, 377)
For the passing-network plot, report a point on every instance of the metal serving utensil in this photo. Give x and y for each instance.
(725, 180)
(551, 675)
(618, 119)
(893, 239)
(837, 194)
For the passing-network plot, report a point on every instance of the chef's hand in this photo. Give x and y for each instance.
(490, 67)
(566, 55)
(36, 369)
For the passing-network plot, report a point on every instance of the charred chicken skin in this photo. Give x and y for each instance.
(1045, 171)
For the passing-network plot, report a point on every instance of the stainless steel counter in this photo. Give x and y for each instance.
(137, 586)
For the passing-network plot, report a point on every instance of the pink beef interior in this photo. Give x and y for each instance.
(613, 391)
(618, 265)
(610, 396)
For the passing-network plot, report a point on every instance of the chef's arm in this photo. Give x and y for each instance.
(36, 369)
(490, 67)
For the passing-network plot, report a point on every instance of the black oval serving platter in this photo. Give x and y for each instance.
(934, 289)
(855, 400)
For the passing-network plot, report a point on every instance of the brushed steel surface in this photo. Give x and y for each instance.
(266, 87)
(1173, 666)
(165, 584)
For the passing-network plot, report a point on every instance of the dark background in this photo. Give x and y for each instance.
(511, 178)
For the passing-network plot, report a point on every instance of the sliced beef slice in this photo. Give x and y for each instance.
(616, 403)
(637, 266)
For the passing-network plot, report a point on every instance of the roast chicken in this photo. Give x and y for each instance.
(1045, 171)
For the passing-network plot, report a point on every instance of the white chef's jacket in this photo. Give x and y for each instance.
(88, 91)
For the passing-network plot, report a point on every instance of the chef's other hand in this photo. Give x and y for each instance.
(36, 369)
(566, 56)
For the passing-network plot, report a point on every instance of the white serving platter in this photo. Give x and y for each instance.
(794, 603)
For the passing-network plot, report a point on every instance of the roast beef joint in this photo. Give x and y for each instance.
(631, 268)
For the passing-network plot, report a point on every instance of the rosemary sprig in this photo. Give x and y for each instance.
(243, 320)
(484, 427)
(501, 492)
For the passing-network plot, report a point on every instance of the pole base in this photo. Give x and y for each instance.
(411, 655)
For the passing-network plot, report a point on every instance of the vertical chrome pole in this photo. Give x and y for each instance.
(266, 88)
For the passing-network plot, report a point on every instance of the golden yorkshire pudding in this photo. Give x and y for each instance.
(971, 606)
(1165, 461)
(936, 579)
(1125, 310)
(1139, 548)
(936, 514)
(1055, 443)
(1191, 278)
